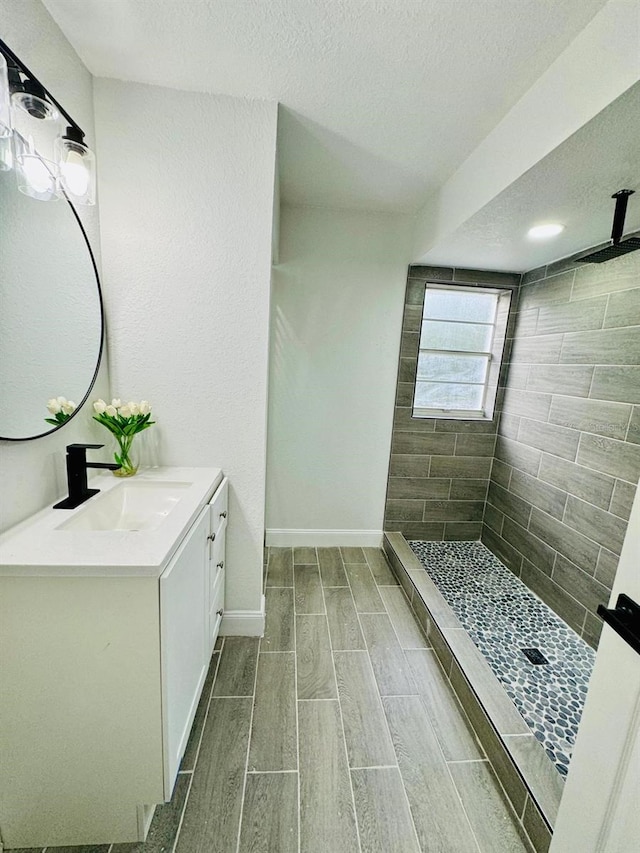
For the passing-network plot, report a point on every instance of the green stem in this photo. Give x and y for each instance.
(125, 442)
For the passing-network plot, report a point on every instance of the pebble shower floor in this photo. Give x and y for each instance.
(502, 617)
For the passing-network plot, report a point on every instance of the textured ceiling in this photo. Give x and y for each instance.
(572, 186)
(381, 99)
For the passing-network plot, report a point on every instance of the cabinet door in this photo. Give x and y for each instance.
(182, 639)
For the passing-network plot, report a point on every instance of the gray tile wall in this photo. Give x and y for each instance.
(567, 454)
(439, 469)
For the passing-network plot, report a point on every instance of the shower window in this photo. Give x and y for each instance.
(460, 347)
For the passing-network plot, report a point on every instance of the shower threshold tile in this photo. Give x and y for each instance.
(545, 785)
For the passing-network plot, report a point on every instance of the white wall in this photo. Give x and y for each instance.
(186, 183)
(32, 473)
(335, 338)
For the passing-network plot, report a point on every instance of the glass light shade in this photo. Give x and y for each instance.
(77, 169)
(36, 126)
(36, 176)
(5, 111)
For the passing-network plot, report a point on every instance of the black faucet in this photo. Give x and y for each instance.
(77, 474)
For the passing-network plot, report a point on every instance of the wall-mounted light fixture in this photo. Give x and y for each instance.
(39, 140)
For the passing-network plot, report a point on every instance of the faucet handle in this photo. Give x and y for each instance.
(77, 475)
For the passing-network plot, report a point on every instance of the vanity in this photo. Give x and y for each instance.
(108, 618)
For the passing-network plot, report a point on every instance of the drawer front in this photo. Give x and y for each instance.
(218, 505)
(217, 557)
(217, 610)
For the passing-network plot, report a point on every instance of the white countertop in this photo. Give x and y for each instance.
(36, 547)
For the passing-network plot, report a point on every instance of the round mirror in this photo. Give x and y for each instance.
(51, 319)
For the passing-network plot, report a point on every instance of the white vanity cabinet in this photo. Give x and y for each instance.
(101, 670)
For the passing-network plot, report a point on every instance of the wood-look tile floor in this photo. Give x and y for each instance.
(337, 732)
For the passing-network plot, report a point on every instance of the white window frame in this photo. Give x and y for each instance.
(487, 404)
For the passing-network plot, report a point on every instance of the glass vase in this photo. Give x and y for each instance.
(125, 454)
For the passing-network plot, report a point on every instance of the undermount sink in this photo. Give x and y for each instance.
(135, 505)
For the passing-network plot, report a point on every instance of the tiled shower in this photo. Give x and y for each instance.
(548, 484)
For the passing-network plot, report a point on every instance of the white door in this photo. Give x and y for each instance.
(600, 808)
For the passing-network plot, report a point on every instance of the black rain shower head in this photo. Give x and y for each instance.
(617, 246)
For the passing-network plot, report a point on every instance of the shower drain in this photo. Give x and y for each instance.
(535, 656)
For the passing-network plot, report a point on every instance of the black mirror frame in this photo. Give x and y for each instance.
(100, 348)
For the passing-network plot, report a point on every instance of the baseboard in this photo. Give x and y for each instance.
(243, 623)
(296, 538)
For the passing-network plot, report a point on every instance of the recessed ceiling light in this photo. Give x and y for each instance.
(542, 232)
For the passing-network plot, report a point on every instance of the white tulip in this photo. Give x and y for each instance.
(54, 406)
(133, 408)
(68, 407)
(125, 411)
(116, 403)
(111, 411)
(62, 400)
(145, 408)
(99, 407)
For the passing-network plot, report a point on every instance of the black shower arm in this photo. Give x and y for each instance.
(621, 197)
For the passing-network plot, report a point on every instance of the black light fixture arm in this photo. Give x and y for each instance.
(16, 62)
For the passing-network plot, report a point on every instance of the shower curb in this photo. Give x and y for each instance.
(531, 784)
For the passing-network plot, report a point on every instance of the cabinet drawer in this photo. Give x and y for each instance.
(217, 557)
(218, 505)
(217, 609)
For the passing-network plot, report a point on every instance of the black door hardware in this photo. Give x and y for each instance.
(624, 619)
